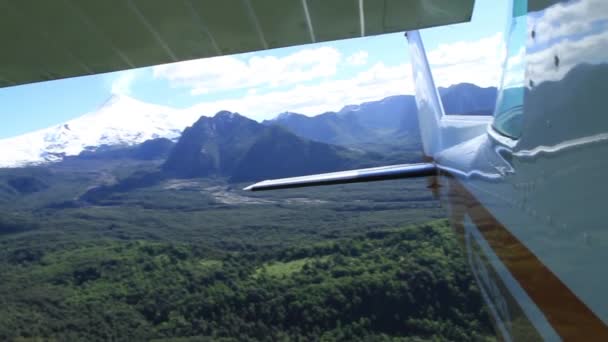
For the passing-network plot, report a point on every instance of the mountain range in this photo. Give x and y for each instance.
(468, 99)
(355, 124)
(242, 149)
(231, 145)
(227, 145)
(390, 119)
(120, 121)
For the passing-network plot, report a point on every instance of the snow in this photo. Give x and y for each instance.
(349, 108)
(121, 120)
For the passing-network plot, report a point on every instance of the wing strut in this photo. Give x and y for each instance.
(351, 176)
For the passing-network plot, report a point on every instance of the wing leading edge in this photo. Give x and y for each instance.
(350, 176)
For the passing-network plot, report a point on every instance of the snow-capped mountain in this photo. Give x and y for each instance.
(121, 120)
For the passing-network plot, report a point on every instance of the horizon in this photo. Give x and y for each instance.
(310, 79)
(189, 110)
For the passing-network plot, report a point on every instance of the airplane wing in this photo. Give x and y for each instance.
(47, 40)
(351, 176)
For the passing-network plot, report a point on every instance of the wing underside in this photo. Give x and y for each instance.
(46, 40)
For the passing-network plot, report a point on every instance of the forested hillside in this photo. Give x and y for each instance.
(386, 284)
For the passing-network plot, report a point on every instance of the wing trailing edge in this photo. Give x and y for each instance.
(350, 176)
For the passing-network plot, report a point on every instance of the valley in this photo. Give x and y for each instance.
(202, 260)
(155, 239)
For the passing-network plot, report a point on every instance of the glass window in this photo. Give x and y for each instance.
(509, 105)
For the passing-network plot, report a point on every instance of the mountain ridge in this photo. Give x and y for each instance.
(391, 118)
(231, 145)
(125, 122)
(120, 120)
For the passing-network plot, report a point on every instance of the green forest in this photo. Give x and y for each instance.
(403, 284)
(201, 260)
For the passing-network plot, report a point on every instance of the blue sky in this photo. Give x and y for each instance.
(309, 79)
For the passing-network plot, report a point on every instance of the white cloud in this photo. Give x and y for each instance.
(587, 50)
(122, 84)
(479, 62)
(476, 62)
(358, 58)
(568, 33)
(228, 73)
(567, 18)
(378, 82)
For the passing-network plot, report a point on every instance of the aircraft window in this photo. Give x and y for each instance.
(467, 72)
(509, 105)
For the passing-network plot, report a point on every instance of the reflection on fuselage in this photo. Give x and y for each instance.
(531, 206)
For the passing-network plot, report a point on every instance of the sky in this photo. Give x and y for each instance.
(308, 79)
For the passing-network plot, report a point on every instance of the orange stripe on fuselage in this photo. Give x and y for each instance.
(568, 315)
